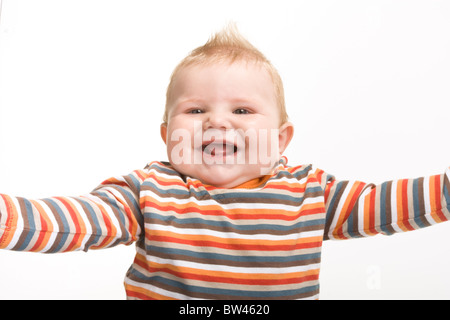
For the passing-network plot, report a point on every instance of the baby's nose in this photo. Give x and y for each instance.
(217, 120)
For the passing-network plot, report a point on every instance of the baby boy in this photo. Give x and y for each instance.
(226, 217)
(226, 102)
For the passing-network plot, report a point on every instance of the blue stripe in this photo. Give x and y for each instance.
(95, 221)
(225, 225)
(446, 191)
(186, 288)
(66, 229)
(232, 195)
(111, 200)
(120, 214)
(338, 188)
(304, 171)
(164, 169)
(184, 192)
(383, 218)
(415, 198)
(350, 230)
(265, 195)
(31, 225)
(128, 194)
(136, 182)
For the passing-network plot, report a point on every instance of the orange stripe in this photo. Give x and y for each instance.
(432, 198)
(233, 280)
(234, 214)
(144, 294)
(46, 228)
(172, 182)
(142, 175)
(369, 214)
(437, 196)
(236, 278)
(285, 185)
(11, 223)
(347, 208)
(150, 234)
(400, 213)
(404, 203)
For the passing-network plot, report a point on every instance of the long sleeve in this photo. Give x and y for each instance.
(357, 209)
(108, 216)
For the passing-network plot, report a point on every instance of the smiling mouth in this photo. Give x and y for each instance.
(219, 149)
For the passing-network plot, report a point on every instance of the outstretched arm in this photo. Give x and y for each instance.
(108, 216)
(357, 209)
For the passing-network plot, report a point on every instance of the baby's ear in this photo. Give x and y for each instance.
(163, 131)
(286, 132)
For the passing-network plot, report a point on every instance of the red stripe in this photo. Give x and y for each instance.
(108, 230)
(76, 222)
(438, 193)
(372, 212)
(138, 295)
(41, 237)
(140, 175)
(230, 246)
(8, 221)
(243, 281)
(405, 217)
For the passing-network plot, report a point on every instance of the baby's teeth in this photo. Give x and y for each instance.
(215, 149)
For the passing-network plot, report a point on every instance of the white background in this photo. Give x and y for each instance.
(82, 86)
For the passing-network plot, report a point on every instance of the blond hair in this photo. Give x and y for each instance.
(230, 46)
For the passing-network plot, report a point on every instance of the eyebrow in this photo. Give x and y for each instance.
(243, 101)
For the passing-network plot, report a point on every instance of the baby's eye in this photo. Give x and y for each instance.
(195, 111)
(241, 111)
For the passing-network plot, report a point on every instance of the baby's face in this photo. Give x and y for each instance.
(224, 123)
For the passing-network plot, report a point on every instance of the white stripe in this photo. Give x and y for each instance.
(233, 235)
(162, 175)
(394, 212)
(109, 212)
(85, 219)
(338, 212)
(118, 195)
(314, 297)
(361, 216)
(55, 225)
(292, 180)
(426, 200)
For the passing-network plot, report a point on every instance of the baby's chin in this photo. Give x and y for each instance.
(221, 176)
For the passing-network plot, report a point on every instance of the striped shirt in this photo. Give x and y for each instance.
(260, 240)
